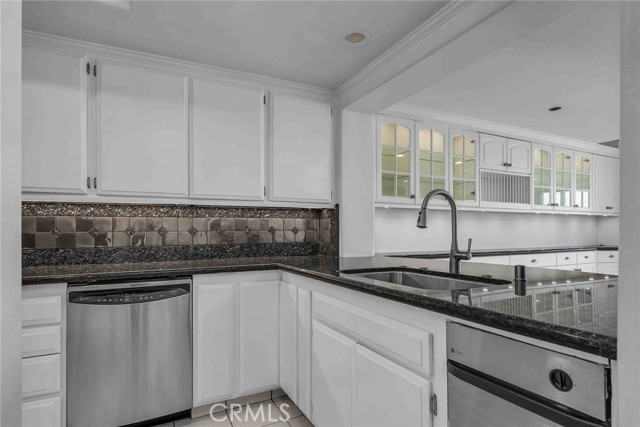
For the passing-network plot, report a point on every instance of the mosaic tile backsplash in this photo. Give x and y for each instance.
(78, 225)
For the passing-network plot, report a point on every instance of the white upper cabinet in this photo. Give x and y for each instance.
(396, 160)
(54, 121)
(583, 178)
(505, 154)
(301, 150)
(543, 197)
(227, 142)
(606, 182)
(563, 179)
(432, 149)
(464, 166)
(142, 146)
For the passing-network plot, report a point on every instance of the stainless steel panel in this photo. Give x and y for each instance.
(470, 406)
(128, 363)
(528, 367)
(421, 281)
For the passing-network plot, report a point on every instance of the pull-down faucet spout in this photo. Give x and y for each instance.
(455, 256)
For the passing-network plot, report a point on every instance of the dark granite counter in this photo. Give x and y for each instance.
(572, 309)
(499, 252)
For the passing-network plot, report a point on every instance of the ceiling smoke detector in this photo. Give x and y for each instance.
(552, 109)
(357, 38)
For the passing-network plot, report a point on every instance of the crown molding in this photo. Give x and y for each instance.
(454, 120)
(49, 41)
(450, 10)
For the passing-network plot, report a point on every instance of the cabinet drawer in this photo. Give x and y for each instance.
(567, 267)
(40, 375)
(566, 258)
(535, 260)
(41, 341)
(42, 413)
(397, 340)
(587, 257)
(41, 311)
(586, 268)
(608, 256)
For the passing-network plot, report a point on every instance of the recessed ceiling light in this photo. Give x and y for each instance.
(552, 109)
(356, 38)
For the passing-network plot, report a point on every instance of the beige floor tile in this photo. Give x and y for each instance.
(222, 420)
(248, 400)
(300, 422)
(255, 415)
(291, 409)
(277, 393)
(202, 411)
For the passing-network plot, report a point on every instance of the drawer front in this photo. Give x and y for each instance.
(566, 258)
(41, 311)
(40, 375)
(534, 260)
(42, 413)
(41, 341)
(588, 257)
(398, 341)
(571, 267)
(608, 256)
(586, 268)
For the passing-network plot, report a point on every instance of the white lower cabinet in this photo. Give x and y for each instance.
(236, 335)
(288, 340)
(42, 413)
(43, 355)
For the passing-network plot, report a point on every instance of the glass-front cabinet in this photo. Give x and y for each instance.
(464, 166)
(583, 174)
(412, 160)
(395, 138)
(542, 177)
(563, 169)
(432, 160)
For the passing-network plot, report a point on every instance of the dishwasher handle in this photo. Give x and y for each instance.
(124, 296)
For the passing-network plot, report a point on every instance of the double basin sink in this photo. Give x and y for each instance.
(416, 278)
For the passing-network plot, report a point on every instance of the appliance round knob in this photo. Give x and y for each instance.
(560, 380)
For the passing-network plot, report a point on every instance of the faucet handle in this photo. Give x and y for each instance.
(468, 253)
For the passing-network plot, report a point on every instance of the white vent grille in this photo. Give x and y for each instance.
(505, 188)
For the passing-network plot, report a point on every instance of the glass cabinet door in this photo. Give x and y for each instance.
(563, 166)
(431, 158)
(395, 140)
(583, 181)
(464, 170)
(542, 185)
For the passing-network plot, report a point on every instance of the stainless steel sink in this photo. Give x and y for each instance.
(420, 280)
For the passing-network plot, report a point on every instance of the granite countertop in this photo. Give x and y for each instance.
(572, 309)
(511, 251)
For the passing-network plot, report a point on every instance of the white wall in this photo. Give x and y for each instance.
(357, 167)
(396, 231)
(10, 177)
(608, 230)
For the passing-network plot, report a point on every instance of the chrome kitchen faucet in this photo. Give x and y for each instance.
(455, 256)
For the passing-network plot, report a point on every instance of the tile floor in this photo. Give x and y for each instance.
(273, 409)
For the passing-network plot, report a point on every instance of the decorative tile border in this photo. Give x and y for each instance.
(47, 225)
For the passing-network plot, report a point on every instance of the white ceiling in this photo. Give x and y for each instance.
(299, 41)
(573, 62)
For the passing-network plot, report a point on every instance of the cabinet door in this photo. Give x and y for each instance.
(432, 159)
(519, 156)
(41, 375)
(289, 340)
(214, 341)
(395, 160)
(54, 122)
(493, 150)
(563, 179)
(258, 334)
(606, 189)
(583, 173)
(380, 385)
(141, 131)
(543, 196)
(332, 359)
(464, 164)
(42, 413)
(608, 268)
(226, 142)
(301, 150)
(304, 351)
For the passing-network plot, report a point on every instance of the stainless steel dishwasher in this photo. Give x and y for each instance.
(128, 352)
(495, 381)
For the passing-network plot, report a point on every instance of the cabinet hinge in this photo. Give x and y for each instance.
(95, 70)
(264, 99)
(88, 182)
(95, 182)
(433, 404)
(264, 191)
(88, 69)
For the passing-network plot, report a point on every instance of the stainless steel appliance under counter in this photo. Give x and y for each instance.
(129, 352)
